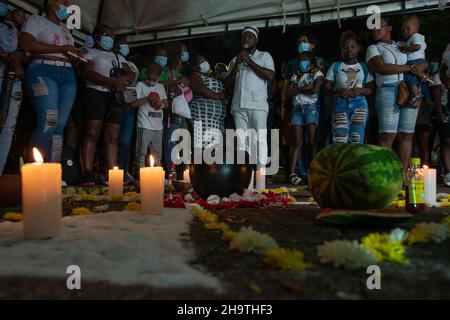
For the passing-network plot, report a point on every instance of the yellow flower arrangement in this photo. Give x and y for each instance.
(427, 232)
(219, 226)
(116, 198)
(228, 235)
(286, 259)
(206, 216)
(82, 211)
(444, 204)
(130, 194)
(311, 200)
(385, 248)
(398, 203)
(13, 216)
(132, 206)
(88, 197)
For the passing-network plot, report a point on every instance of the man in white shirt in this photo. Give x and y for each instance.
(250, 73)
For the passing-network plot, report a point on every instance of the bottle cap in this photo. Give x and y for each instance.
(415, 161)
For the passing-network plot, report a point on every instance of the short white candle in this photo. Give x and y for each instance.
(261, 179)
(115, 182)
(152, 189)
(186, 177)
(430, 185)
(41, 199)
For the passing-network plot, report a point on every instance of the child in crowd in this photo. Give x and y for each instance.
(414, 48)
(152, 99)
(350, 82)
(304, 87)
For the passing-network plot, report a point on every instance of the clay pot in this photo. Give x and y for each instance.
(10, 191)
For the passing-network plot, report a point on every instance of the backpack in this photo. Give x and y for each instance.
(337, 65)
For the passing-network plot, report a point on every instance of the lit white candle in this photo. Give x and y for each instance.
(41, 199)
(261, 179)
(186, 177)
(252, 182)
(115, 182)
(152, 189)
(430, 185)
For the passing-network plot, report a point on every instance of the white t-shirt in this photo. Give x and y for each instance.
(103, 64)
(446, 60)
(306, 79)
(390, 55)
(419, 39)
(149, 118)
(348, 75)
(250, 91)
(45, 31)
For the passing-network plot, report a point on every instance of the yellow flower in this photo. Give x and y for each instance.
(292, 199)
(229, 235)
(206, 216)
(216, 226)
(286, 259)
(130, 194)
(310, 199)
(81, 211)
(88, 197)
(399, 203)
(402, 193)
(132, 206)
(13, 216)
(117, 198)
(417, 236)
(444, 204)
(383, 247)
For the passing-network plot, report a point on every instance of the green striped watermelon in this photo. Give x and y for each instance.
(350, 176)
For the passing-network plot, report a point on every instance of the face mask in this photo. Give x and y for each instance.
(246, 46)
(433, 68)
(107, 43)
(185, 56)
(161, 60)
(124, 50)
(62, 13)
(204, 67)
(3, 9)
(304, 47)
(304, 66)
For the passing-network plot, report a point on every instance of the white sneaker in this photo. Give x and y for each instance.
(447, 179)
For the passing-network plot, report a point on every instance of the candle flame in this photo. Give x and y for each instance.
(426, 167)
(152, 161)
(37, 156)
(116, 168)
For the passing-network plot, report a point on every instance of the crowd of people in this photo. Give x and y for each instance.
(126, 110)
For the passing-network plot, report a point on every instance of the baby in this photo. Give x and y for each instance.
(414, 48)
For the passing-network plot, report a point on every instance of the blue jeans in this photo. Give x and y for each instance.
(349, 120)
(392, 118)
(411, 80)
(52, 91)
(168, 145)
(305, 115)
(125, 137)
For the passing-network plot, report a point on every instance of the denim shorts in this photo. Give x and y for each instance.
(392, 118)
(305, 115)
(411, 79)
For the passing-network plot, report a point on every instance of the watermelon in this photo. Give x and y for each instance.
(350, 176)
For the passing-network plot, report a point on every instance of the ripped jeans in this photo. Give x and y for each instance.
(349, 120)
(52, 90)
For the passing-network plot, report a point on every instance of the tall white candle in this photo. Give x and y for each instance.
(41, 199)
(430, 185)
(261, 179)
(152, 189)
(252, 182)
(186, 176)
(115, 182)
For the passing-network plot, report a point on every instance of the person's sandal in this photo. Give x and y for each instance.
(295, 179)
(416, 100)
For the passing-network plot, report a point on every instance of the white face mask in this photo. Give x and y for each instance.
(204, 67)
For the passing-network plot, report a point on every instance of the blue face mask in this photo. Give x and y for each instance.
(161, 60)
(124, 50)
(185, 56)
(107, 43)
(62, 13)
(433, 68)
(304, 47)
(3, 9)
(305, 66)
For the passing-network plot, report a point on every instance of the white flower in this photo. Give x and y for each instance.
(235, 197)
(398, 234)
(213, 200)
(249, 240)
(436, 232)
(348, 254)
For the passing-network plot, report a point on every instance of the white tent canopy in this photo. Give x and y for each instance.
(150, 21)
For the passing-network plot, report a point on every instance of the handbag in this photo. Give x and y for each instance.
(403, 90)
(181, 107)
(187, 91)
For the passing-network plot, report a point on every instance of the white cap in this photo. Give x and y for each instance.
(252, 29)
